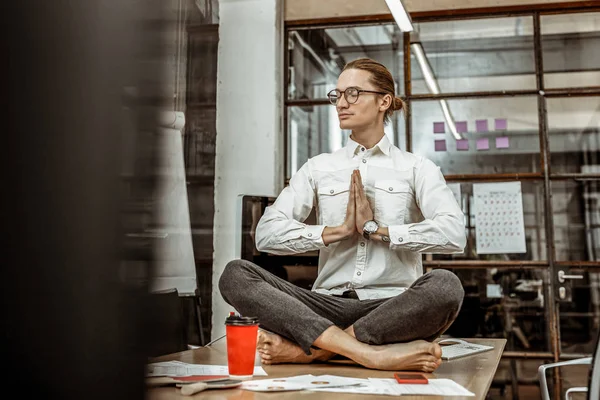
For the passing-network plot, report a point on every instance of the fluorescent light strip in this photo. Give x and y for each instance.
(425, 68)
(433, 86)
(400, 15)
(449, 120)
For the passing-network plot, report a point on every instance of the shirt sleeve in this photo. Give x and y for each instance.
(281, 230)
(443, 230)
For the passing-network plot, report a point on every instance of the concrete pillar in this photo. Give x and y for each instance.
(249, 148)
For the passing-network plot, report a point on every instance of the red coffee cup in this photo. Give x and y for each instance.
(242, 333)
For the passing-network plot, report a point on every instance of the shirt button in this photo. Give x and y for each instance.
(362, 244)
(364, 161)
(391, 189)
(400, 239)
(310, 234)
(362, 149)
(331, 191)
(358, 273)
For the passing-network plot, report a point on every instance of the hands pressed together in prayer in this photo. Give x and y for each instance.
(358, 212)
(359, 209)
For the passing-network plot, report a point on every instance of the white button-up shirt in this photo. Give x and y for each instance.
(408, 195)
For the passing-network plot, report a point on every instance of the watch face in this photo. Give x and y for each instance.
(371, 226)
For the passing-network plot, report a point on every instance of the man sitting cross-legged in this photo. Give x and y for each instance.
(378, 209)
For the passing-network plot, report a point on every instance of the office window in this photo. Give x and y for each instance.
(317, 56)
(476, 111)
(533, 218)
(476, 55)
(570, 44)
(574, 130)
(504, 303)
(578, 317)
(576, 215)
(478, 136)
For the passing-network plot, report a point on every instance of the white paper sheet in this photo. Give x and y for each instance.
(302, 382)
(178, 368)
(365, 388)
(499, 218)
(437, 387)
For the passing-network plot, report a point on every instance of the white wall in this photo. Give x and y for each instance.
(314, 9)
(249, 149)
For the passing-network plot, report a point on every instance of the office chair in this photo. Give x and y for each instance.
(593, 388)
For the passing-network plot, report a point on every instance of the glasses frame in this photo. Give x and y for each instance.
(339, 94)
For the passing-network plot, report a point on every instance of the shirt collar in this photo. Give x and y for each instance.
(384, 145)
(351, 147)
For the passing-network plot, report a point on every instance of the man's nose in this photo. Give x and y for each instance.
(342, 102)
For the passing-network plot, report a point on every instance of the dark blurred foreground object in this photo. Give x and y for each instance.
(72, 327)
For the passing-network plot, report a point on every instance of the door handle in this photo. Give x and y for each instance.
(562, 276)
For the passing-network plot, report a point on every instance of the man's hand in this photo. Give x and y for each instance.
(348, 228)
(364, 211)
(350, 221)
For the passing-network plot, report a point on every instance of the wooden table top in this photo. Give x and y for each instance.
(474, 372)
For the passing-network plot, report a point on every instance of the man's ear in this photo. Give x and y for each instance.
(386, 102)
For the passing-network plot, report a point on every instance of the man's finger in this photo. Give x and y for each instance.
(356, 189)
(352, 197)
(360, 187)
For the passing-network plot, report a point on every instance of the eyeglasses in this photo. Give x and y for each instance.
(350, 93)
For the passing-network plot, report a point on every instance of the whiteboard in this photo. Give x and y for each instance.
(173, 253)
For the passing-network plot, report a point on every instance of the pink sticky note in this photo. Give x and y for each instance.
(502, 142)
(461, 126)
(440, 145)
(500, 124)
(462, 144)
(483, 144)
(439, 127)
(481, 125)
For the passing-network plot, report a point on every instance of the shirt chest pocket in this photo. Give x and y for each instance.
(391, 201)
(333, 203)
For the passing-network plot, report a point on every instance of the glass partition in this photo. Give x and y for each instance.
(475, 110)
(574, 130)
(534, 221)
(570, 44)
(576, 215)
(504, 303)
(317, 56)
(478, 136)
(478, 55)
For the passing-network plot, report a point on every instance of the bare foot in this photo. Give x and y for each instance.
(418, 355)
(273, 349)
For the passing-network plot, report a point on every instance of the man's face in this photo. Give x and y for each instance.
(366, 110)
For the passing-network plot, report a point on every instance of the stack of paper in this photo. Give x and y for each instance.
(178, 368)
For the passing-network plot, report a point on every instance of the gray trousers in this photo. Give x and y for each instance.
(424, 311)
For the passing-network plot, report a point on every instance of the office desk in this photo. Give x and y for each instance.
(474, 372)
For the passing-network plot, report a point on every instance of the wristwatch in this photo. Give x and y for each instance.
(370, 227)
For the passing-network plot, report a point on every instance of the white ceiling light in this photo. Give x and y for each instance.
(430, 80)
(400, 15)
